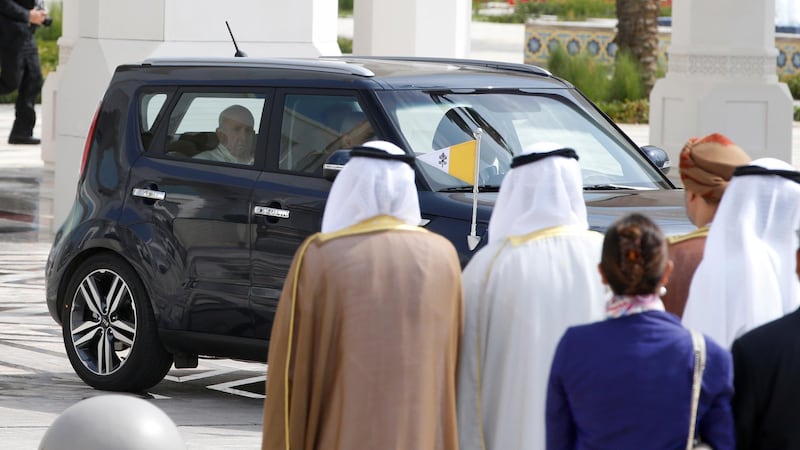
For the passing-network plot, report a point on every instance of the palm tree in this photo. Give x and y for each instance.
(637, 34)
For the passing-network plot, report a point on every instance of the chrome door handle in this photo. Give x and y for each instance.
(271, 212)
(149, 194)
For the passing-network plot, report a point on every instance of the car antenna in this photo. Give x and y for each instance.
(238, 53)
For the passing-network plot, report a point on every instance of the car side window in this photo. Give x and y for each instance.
(314, 126)
(150, 106)
(215, 127)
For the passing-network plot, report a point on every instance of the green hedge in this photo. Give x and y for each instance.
(794, 85)
(601, 82)
(345, 7)
(571, 10)
(345, 45)
(53, 32)
(627, 111)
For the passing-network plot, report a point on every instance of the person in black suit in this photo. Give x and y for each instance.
(766, 402)
(19, 63)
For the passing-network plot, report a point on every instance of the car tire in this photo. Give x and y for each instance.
(109, 329)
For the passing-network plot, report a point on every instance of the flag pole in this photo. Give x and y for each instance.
(473, 239)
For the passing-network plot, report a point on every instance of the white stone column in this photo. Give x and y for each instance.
(114, 32)
(722, 77)
(69, 34)
(412, 28)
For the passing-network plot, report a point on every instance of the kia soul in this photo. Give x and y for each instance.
(201, 177)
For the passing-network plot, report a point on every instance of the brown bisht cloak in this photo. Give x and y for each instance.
(374, 323)
(685, 251)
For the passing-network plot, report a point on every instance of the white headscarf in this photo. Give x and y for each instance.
(747, 275)
(369, 187)
(539, 195)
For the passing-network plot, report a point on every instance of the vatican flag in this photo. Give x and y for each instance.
(457, 160)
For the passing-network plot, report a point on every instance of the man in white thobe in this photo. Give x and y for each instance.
(536, 276)
(747, 275)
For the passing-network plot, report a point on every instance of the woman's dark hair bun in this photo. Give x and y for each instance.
(635, 255)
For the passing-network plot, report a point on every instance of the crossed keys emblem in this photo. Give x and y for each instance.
(443, 160)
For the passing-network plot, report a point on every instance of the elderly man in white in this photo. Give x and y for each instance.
(747, 275)
(537, 275)
(236, 137)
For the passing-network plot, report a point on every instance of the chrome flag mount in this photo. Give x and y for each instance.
(473, 239)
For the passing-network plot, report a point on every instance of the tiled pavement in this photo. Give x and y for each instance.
(217, 405)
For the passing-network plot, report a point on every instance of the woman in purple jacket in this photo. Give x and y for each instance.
(625, 382)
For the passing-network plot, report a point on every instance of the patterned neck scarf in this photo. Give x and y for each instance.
(626, 305)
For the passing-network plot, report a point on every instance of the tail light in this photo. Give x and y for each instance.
(89, 141)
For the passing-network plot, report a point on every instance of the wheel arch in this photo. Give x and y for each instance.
(143, 246)
(87, 254)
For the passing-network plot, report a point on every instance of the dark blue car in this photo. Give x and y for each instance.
(173, 250)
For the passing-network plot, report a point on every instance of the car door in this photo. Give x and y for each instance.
(289, 197)
(193, 203)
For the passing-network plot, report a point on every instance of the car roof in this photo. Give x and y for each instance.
(392, 72)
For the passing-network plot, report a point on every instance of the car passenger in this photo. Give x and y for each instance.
(236, 137)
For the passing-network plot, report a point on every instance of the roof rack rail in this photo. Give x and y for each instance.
(320, 65)
(515, 67)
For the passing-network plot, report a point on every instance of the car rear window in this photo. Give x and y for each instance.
(151, 104)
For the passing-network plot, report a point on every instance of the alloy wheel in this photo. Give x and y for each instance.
(102, 321)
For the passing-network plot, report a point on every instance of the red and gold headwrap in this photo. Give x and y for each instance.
(707, 164)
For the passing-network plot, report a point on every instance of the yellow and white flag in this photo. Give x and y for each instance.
(457, 160)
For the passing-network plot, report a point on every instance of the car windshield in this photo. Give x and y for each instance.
(511, 121)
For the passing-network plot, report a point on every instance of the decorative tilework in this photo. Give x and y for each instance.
(593, 47)
(534, 45)
(611, 49)
(573, 47)
(597, 40)
(553, 44)
(788, 46)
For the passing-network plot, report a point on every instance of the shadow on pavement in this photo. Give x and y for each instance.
(19, 206)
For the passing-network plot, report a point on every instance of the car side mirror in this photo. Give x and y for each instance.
(335, 163)
(658, 156)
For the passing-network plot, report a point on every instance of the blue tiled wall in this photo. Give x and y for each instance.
(596, 39)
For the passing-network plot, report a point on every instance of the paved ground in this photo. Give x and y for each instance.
(219, 404)
(20, 185)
